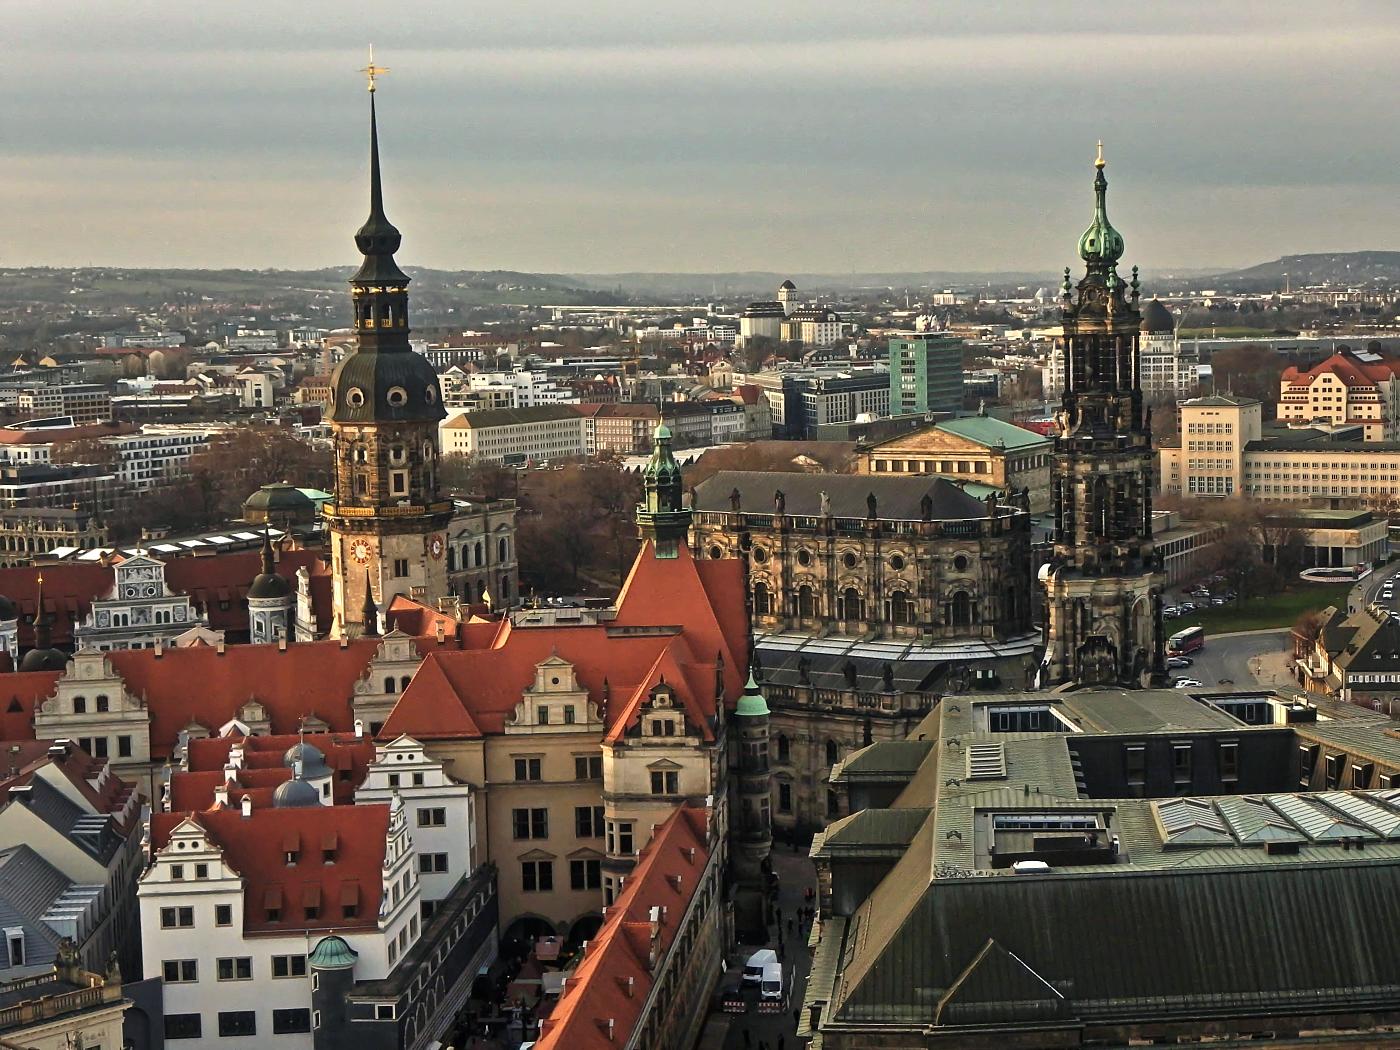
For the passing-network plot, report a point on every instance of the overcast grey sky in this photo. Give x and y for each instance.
(605, 135)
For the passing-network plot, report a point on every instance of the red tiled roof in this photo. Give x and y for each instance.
(256, 846)
(674, 619)
(614, 980)
(1350, 371)
(263, 768)
(20, 693)
(70, 587)
(309, 678)
(707, 601)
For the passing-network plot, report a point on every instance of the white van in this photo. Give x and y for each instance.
(772, 984)
(758, 961)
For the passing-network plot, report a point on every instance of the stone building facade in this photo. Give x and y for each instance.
(868, 556)
(140, 610)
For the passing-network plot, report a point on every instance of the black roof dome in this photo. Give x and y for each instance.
(1157, 319)
(8, 609)
(270, 585)
(44, 660)
(281, 497)
(385, 386)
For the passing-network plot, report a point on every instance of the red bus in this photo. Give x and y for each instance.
(1187, 641)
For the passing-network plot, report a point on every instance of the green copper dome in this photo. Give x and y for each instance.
(751, 702)
(1101, 243)
(332, 953)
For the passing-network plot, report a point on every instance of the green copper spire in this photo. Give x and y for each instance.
(662, 515)
(1101, 244)
(751, 702)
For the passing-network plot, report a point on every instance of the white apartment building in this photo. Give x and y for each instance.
(527, 389)
(236, 900)
(83, 402)
(516, 436)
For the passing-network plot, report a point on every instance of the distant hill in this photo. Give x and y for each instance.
(1334, 268)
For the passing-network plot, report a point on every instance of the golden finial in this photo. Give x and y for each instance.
(371, 70)
(1098, 160)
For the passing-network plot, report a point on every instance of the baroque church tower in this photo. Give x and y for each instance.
(387, 524)
(1103, 584)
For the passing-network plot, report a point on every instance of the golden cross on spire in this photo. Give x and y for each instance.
(1098, 160)
(371, 71)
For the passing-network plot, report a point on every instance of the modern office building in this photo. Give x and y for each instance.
(926, 374)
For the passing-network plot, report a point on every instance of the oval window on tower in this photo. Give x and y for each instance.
(430, 393)
(397, 396)
(355, 397)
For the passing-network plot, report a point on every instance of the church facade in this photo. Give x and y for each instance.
(1103, 584)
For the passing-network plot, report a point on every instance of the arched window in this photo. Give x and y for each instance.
(451, 558)
(851, 605)
(760, 599)
(784, 748)
(403, 681)
(806, 603)
(501, 549)
(388, 683)
(479, 553)
(960, 610)
(901, 609)
(833, 752)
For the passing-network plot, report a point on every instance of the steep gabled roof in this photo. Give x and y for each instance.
(613, 982)
(256, 847)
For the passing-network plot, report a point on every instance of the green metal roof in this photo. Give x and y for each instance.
(751, 702)
(992, 432)
(332, 953)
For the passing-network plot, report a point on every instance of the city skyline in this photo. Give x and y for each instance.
(807, 138)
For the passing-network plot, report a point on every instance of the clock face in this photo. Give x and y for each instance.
(361, 551)
(435, 547)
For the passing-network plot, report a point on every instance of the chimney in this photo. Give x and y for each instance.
(606, 1025)
(675, 881)
(359, 729)
(690, 855)
(58, 750)
(221, 794)
(22, 793)
(440, 629)
(628, 985)
(281, 642)
(246, 805)
(159, 647)
(220, 647)
(344, 642)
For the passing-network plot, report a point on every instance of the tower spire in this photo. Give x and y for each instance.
(369, 615)
(662, 515)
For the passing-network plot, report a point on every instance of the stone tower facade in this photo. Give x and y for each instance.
(752, 836)
(1103, 584)
(662, 516)
(387, 525)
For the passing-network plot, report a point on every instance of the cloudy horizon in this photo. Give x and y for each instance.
(813, 137)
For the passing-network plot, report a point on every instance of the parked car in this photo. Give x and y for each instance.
(1170, 612)
(1178, 661)
(1219, 601)
(1187, 683)
(1186, 607)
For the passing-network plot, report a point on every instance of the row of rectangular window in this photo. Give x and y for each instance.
(233, 1023)
(537, 876)
(238, 968)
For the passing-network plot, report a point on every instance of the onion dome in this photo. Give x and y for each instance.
(1101, 244)
(1157, 319)
(8, 610)
(43, 657)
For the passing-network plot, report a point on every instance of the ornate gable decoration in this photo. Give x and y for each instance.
(555, 703)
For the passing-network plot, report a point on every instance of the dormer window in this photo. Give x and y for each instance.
(663, 727)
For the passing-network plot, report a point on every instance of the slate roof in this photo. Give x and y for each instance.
(1116, 946)
(898, 496)
(29, 886)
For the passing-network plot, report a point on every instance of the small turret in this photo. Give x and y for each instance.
(662, 516)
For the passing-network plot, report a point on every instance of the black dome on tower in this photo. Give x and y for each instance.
(1157, 319)
(383, 379)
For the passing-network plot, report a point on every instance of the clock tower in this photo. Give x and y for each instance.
(387, 525)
